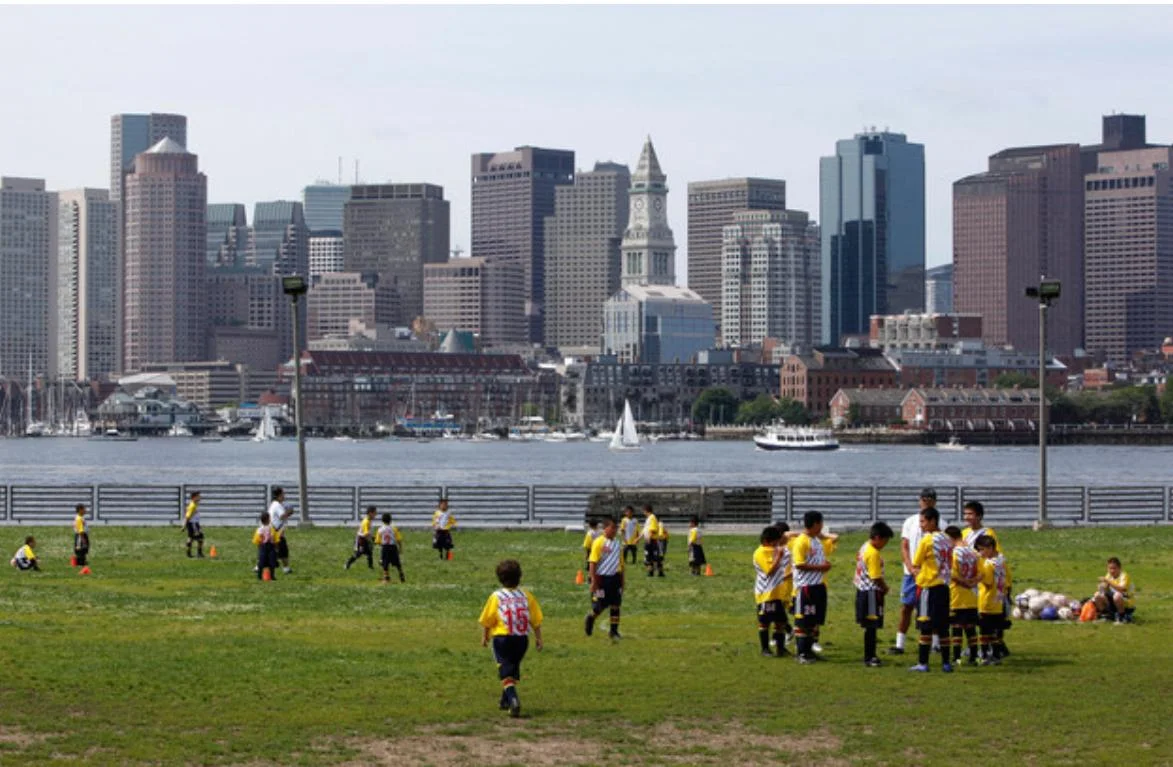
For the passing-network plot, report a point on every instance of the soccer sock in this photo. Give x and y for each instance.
(779, 641)
(614, 620)
(801, 643)
(764, 637)
(956, 642)
(509, 688)
(869, 643)
(923, 648)
(945, 649)
(899, 640)
(971, 641)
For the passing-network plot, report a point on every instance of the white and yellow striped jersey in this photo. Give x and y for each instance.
(606, 554)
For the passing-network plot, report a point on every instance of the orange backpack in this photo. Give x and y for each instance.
(1088, 612)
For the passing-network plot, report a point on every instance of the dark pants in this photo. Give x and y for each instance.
(266, 559)
(508, 651)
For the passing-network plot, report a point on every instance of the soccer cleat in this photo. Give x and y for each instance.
(767, 654)
(873, 663)
(817, 647)
(588, 624)
(991, 662)
(921, 668)
(348, 564)
(615, 636)
(806, 660)
(515, 707)
(287, 570)
(895, 650)
(783, 652)
(971, 662)
(402, 579)
(947, 668)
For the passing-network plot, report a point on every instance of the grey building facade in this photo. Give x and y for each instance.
(872, 216)
(325, 205)
(228, 235)
(85, 312)
(939, 289)
(27, 240)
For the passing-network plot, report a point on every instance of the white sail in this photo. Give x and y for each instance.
(625, 437)
(267, 429)
(617, 437)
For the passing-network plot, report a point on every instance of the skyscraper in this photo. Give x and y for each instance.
(512, 193)
(392, 230)
(1021, 219)
(771, 275)
(165, 315)
(228, 235)
(939, 289)
(85, 309)
(280, 239)
(872, 216)
(648, 247)
(711, 205)
(582, 253)
(26, 251)
(325, 205)
(327, 252)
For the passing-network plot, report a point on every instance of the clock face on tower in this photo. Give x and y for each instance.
(658, 204)
(639, 203)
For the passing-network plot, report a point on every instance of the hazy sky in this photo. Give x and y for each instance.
(274, 95)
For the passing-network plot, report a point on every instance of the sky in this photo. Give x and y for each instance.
(274, 95)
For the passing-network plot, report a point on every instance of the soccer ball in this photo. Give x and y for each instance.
(1037, 604)
(1065, 613)
(1016, 613)
(1049, 613)
(1075, 605)
(1027, 615)
(1030, 593)
(1046, 596)
(1023, 601)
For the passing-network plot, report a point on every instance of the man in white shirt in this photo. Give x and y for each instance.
(278, 514)
(910, 535)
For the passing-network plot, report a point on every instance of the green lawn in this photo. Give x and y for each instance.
(158, 659)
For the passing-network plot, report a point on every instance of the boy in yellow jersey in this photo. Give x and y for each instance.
(809, 552)
(390, 541)
(81, 536)
(963, 595)
(362, 540)
(508, 617)
(993, 582)
(696, 546)
(592, 534)
(931, 563)
(26, 555)
(974, 514)
(870, 589)
(266, 550)
(191, 524)
(629, 530)
(771, 589)
(1114, 596)
(442, 524)
(653, 558)
(605, 564)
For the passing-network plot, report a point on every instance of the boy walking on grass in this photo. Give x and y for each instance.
(605, 564)
(266, 550)
(963, 595)
(81, 537)
(389, 540)
(870, 589)
(653, 554)
(362, 540)
(508, 617)
(810, 551)
(279, 515)
(930, 565)
(191, 524)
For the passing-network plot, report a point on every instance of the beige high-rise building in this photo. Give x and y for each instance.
(335, 299)
(26, 253)
(165, 314)
(479, 296)
(86, 279)
(327, 252)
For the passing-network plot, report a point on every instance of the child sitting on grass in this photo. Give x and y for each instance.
(508, 616)
(26, 555)
(1114, 596)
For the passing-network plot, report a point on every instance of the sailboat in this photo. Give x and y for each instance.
(32, 428)
(625, 436)
(267, 430)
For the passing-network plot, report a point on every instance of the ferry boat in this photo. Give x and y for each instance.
(954, 443)
(782, 437)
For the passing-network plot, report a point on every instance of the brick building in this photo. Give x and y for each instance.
(971, 409)
(813, 378)
(873, 407)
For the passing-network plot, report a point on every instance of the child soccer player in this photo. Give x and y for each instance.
(930, 564)
(191, 523)
(630, 533)
(975, 513)
(362, 540)
(389, 542)
(653, 558)
(81, 537)
(266, 550)
(26, 555)
(810, 551)
(696, 546)
(771, 590)
(963, 595)
(605, 564)
(592, 534)
(1114, 596)
(279, 514)
(442, 524)
(870, 589)
(993, 580)
(507, 618)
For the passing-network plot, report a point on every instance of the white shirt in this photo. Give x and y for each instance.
(277, 515)
(912, 533)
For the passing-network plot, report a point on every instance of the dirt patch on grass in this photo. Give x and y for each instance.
(529, 743)
(18, 737)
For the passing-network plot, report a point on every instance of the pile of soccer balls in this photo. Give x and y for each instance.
(1033, 604)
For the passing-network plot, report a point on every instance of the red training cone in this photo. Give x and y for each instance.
(212, 552)
(449, 554)
(73, 561)
(85, 570)
(266, 576)
(578, 579)
(708, 570)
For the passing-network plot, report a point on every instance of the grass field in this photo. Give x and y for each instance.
(158, 659)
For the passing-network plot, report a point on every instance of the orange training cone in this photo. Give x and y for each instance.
(708, 570)
(449, 554)
(73, 561)
(265, 576)
(578, 579)
(212, 552)
(85, 570)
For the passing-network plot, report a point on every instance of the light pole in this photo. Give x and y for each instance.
(1046, 292)
(295, 287)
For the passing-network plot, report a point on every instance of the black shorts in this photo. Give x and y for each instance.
(990, 623)
(696, 555)
(771, 611)
(442, 540)
(967, 616)
(25, 564)
(81, 542)
(362, 546)
(610, 595)
(652, 552)
(810, 605)
(194, 531)
(869, 608)
(508, 651)
(388, 556)
(932, 609)
(282, 548)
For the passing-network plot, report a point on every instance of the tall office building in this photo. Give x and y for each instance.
(582, 253)
(512, 193)
(771, 271)
(248, 317)
(336, 299)
(27, 239)
(1019, 221)
(165, 314)
(392, 230)
(280, 239)
(325, 205)
(939, 289)
(1128, 252)
(228, 235)
(85, 309)
(454, 294)
(872, 217)
(327, 252)
(711, 205)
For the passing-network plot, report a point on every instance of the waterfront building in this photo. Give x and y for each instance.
(85, 301)
(325, 205)
(872, 217)
(867, 407)
(970, 363)
(217, 383)
(770, 279)
(327, 252)
(582, 259)
(977, 409)
(813, 377)
(27, 215)
(924, 331)
(512, 194)
(165, 315)
(711, 205)
(337, 298)
(228, 235)
(939, 289)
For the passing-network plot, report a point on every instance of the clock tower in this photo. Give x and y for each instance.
(649, 251)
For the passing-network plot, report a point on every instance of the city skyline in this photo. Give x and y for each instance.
(706, 118)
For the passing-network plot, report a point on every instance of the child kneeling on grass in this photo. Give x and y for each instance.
(26, 555)
(1114, 596)
(508, 616)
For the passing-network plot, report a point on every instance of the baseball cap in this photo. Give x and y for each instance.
(929, 493)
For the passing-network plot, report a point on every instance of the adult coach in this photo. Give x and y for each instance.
(279, 514)
(910, 535)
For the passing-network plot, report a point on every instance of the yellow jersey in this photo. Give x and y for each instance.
(971, 535)
(79, 525)
(1123, 585)
(964, 566)
(661, 531)
(263, 535)
(806, 550)
(442, 519)
(869, 567)
(511, 612)
(193, 512)
(695, 537)
(933, 557)
(25, 554)
(364, 528)
(606, 555)
(651, 530)
(994, 580)
(589, 540)
(629, 529)
(769, 586)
